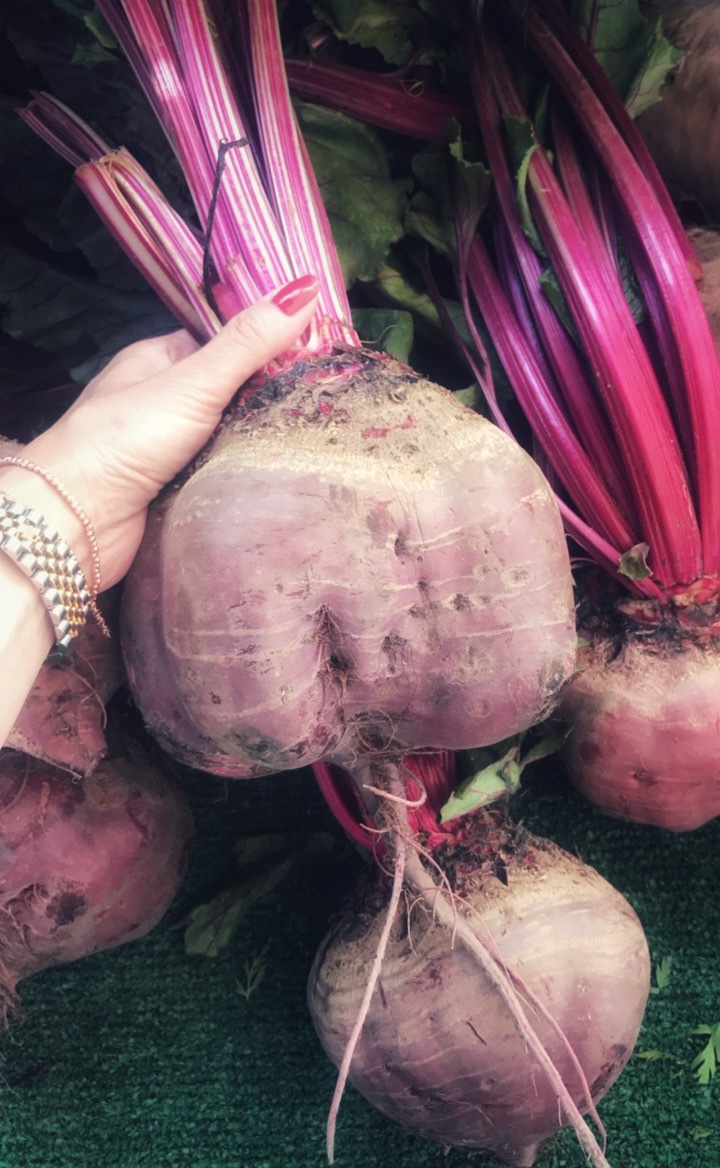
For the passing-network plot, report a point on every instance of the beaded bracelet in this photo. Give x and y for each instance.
(41, 553)
(53, 481)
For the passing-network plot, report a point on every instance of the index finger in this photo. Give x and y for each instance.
(210, 376)
(139, 361)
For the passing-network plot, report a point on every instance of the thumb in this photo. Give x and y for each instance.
(208, 378)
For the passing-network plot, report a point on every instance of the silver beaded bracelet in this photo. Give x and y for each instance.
(42, 554)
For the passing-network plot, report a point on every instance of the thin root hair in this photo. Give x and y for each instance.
(411, 804)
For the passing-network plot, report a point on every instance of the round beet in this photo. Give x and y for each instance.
(439, 1051)
(357, 561)
(83, 866)
(645, 744)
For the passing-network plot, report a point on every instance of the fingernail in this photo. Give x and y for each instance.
(295, 295)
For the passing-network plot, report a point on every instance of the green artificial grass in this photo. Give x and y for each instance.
(147, 1058)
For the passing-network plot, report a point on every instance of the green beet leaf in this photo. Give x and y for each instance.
(633, 563)
(631, 47)
(493, 782)
(386, 329)
(705, 1065)
(372, 24)
(365, 204)
(264, 861)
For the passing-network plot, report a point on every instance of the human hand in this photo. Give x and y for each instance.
(141, 420)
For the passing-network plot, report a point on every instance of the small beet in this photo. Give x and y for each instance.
(83, 866)
(645, 744)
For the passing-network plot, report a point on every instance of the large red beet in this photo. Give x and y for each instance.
(357, 562)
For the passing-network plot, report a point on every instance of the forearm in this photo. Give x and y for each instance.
(26, 638)
(26, 632)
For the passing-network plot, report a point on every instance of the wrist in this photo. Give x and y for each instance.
(35, 529)
(33, 490)
(26, 637)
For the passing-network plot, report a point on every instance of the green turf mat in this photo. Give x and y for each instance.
(146, 1058)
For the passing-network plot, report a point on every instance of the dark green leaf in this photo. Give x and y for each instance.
(631, 288)
(663, 971)
(700, 1133)
(633, 563)
(211, 927)
(264, 861)
(545, 748)
(34, 182)
(385, 329)
(630, 45)
(365, 204)
(431, 220)
(394, 288)
(657, 1056)
(100, 30)
(660, 57)
(89, 54)
(254, 849)
(522, 142)
(75, 9)
(454, 192)
(470, 183)
(57, 310)
(705, 1064)
(254, 970)
(86, 301)
(554, 293)
(470, 396)
(373, 24)
(430, 215)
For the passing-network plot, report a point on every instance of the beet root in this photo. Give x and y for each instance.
(358, 561)
(439, 1051)
(63, 719)
(83, 866)
(645, 739)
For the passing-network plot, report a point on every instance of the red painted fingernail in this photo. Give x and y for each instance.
(295, 295)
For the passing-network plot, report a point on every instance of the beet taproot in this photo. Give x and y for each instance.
(357, 561)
